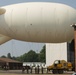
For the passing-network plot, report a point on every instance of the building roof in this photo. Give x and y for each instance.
(8, 60)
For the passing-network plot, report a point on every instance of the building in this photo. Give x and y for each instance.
(6, 63)
(55, 52)
(60, 51)
(70, 52)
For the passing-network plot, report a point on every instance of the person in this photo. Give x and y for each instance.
(38, 69)
(23, 69)
(35, 70)
(30, 69)
(42, 69)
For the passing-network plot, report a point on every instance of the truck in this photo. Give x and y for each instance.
(59, 66)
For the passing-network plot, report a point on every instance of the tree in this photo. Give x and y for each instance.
(42, 55)
(21, 58)
(9, 55)
(31, 56)
(3, 56)
(14, 58)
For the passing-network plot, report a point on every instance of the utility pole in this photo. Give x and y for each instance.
(74, 26)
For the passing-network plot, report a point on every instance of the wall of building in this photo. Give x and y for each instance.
(70, 52)
(55, 52)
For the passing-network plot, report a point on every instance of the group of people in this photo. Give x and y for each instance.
(35, 70)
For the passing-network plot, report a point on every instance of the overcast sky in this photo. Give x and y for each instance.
(17, 48)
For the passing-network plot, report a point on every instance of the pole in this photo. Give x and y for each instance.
(74, 25)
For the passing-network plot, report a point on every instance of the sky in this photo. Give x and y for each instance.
(17, 48)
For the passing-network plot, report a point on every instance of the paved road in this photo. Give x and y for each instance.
(32, 74)
(19, 72)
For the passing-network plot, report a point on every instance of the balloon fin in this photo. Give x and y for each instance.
(2, 11)
(4, 39)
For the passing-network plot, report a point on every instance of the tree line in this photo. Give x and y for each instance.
(30, 56)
